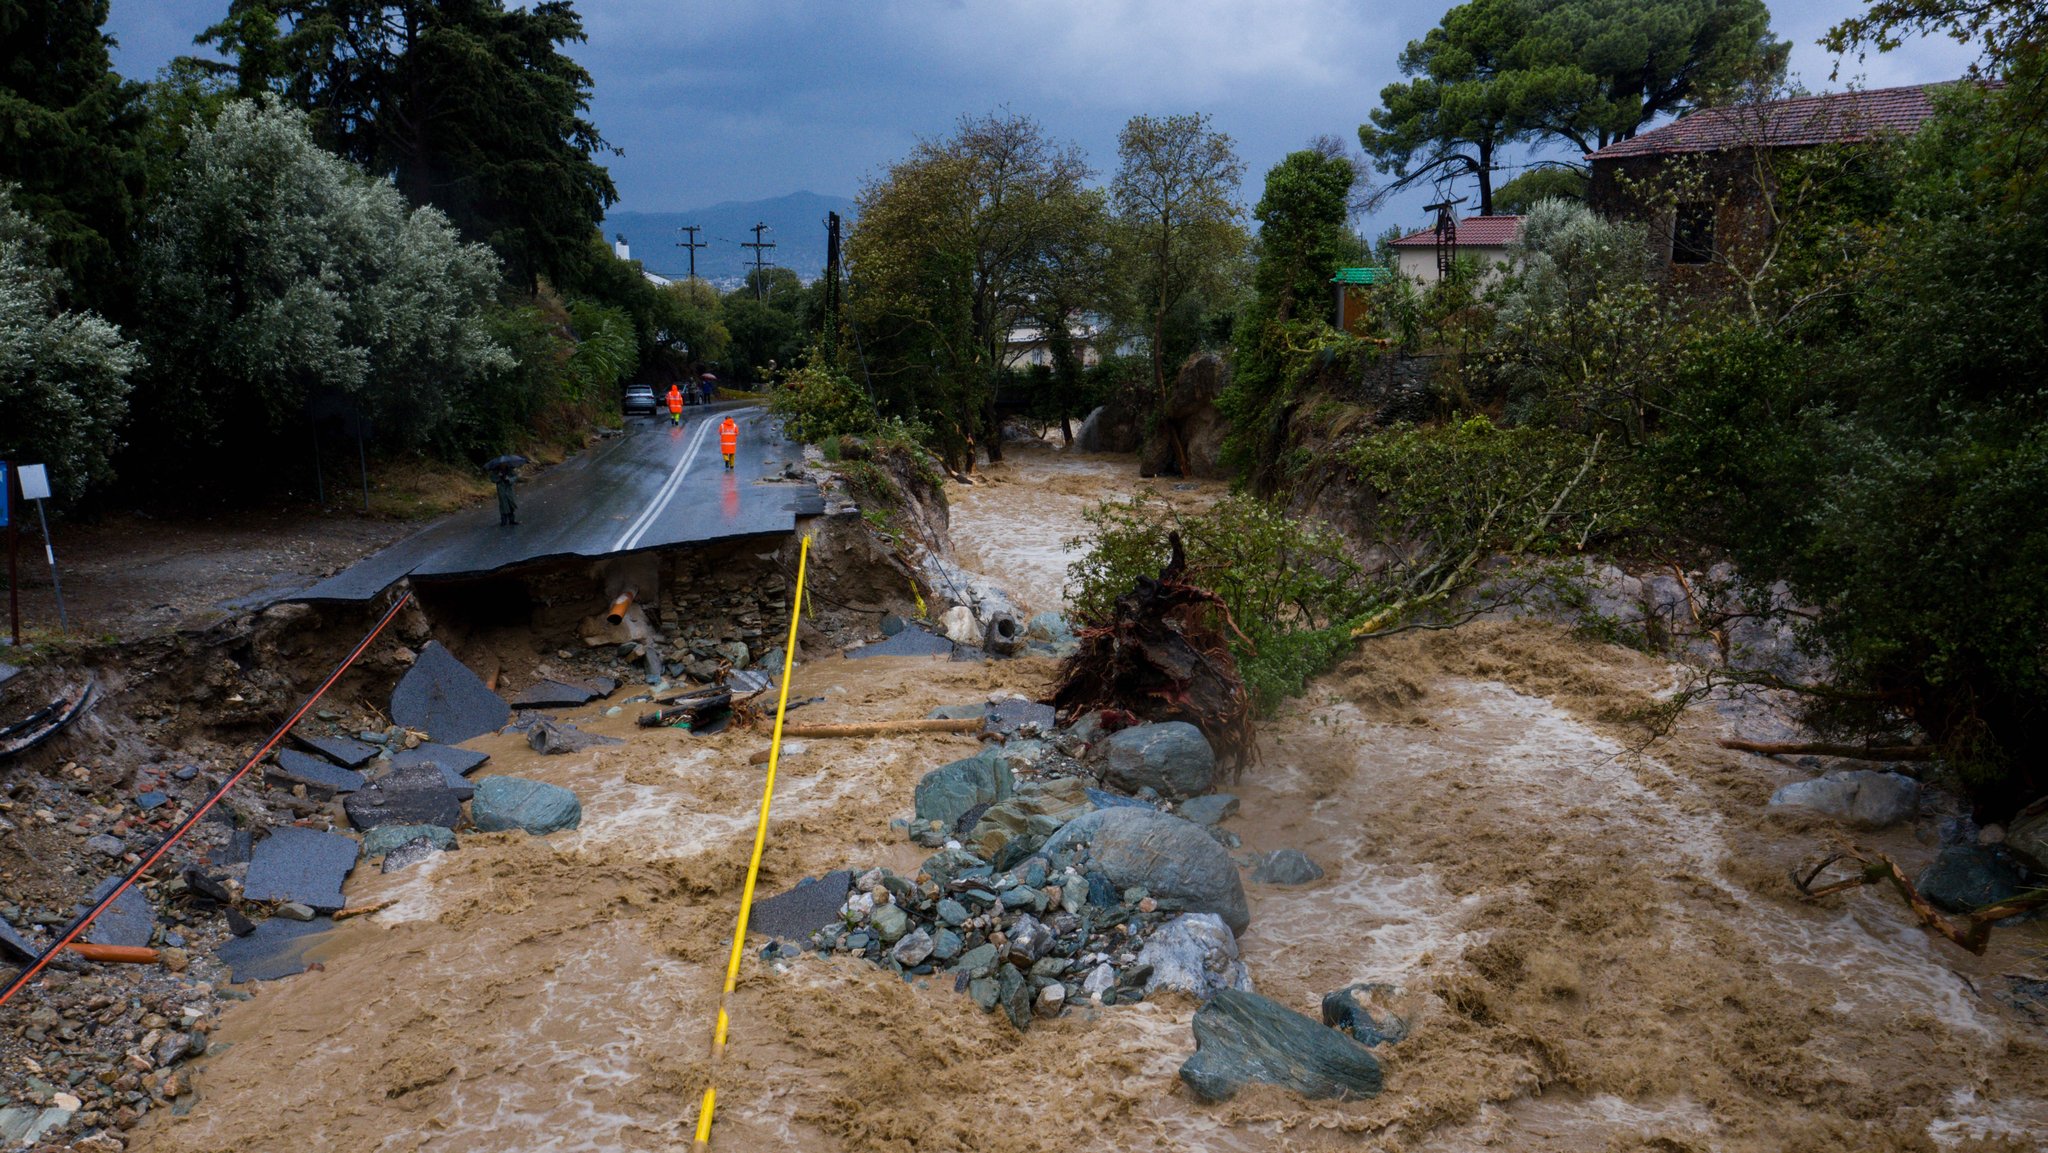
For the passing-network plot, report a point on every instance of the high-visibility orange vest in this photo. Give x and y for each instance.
(675, 399)
(729, 436)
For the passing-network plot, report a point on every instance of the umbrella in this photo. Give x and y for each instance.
(509, 461)
(707, 376)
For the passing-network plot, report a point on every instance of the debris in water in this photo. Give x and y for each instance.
(1164, 656)
(275, 948)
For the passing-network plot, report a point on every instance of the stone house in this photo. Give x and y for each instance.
(1703, 183)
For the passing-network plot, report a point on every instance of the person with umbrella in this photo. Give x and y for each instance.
(504, 472)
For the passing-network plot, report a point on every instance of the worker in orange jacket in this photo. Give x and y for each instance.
(729, 440)
(675, 405)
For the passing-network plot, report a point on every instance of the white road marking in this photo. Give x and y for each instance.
(631, 537)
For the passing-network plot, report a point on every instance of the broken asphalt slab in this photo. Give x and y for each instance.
(276, 949)
(414, 795)
(442, 698)
(14, 946)
(911, 642)
(559, 694)
(347, 752)
(128, 921)
(461, 762)
(294, 864)
(295, 768)
(795, 915)
(1006, 717)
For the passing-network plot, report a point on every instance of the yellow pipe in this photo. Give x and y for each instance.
(739, 934)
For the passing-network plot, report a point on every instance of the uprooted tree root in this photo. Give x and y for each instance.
(1164, 656)
(1973, 933)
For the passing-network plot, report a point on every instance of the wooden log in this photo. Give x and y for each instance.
(1823, 749)
(886, 728)
(114, 954)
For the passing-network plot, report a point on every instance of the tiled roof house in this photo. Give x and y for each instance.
(1716, 148)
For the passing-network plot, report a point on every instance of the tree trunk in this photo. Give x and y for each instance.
(1485, 175)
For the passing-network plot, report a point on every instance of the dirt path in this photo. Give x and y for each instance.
(131, 575)
(1600, 947)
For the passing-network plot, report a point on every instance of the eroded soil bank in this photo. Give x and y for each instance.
(1600, 945)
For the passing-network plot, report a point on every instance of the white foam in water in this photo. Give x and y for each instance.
(1560, 1122)
(1975, 1120)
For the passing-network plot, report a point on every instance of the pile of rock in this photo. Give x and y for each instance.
(1060, 876)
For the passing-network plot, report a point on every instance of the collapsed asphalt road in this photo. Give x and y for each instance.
(654, 487)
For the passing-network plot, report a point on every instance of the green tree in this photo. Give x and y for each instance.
(939, 265)
(1067, 285)
(1465, 103)
(1597, 71)
(471, 107)
(276, 271)
(71, 131)
(1303, 240)
(1175, 193)
(1531, 188)
(63, 374)
(1583, 72)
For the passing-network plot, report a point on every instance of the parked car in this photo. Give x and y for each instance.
(639, 398)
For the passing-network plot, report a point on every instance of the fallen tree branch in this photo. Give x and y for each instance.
(1823, 749)
(1973, 934)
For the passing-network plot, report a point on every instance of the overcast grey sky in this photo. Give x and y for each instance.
(741, 99)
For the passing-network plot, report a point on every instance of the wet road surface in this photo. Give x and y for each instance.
(654, 487)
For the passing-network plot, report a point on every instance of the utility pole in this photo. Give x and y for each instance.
(757, 245)
(693, 244)
(831, 279)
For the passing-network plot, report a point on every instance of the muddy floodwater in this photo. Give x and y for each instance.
(1598, 943)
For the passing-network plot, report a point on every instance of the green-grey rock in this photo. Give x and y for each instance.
(1013, 992)
(1034, 812)
(979, 961)
(1241, 1038)
(384, 838)
(503, 803)
(945, 945)
(1173, 758)
(951, 911)
(889, 923)
(1168, 857)
(947, 792)
(984, 990)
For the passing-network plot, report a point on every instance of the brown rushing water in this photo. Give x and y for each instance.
(1601, 945)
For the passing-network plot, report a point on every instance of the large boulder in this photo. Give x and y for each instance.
(1194, 954)
(2027, 836)
(1869, 800)
(1172, 758)
(1110, 428)
(1965, 877)
(945, 794)
(1188, 429)
(516, 803)
(1241, 1038)
(1158, 852)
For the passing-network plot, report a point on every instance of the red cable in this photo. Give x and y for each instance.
(155, 855)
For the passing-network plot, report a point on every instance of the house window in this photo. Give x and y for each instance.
(1692, 234)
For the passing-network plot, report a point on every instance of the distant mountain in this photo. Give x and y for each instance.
(796, 225)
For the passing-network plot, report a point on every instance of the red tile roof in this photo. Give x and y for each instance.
(1835, 118)
(1480, 231)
